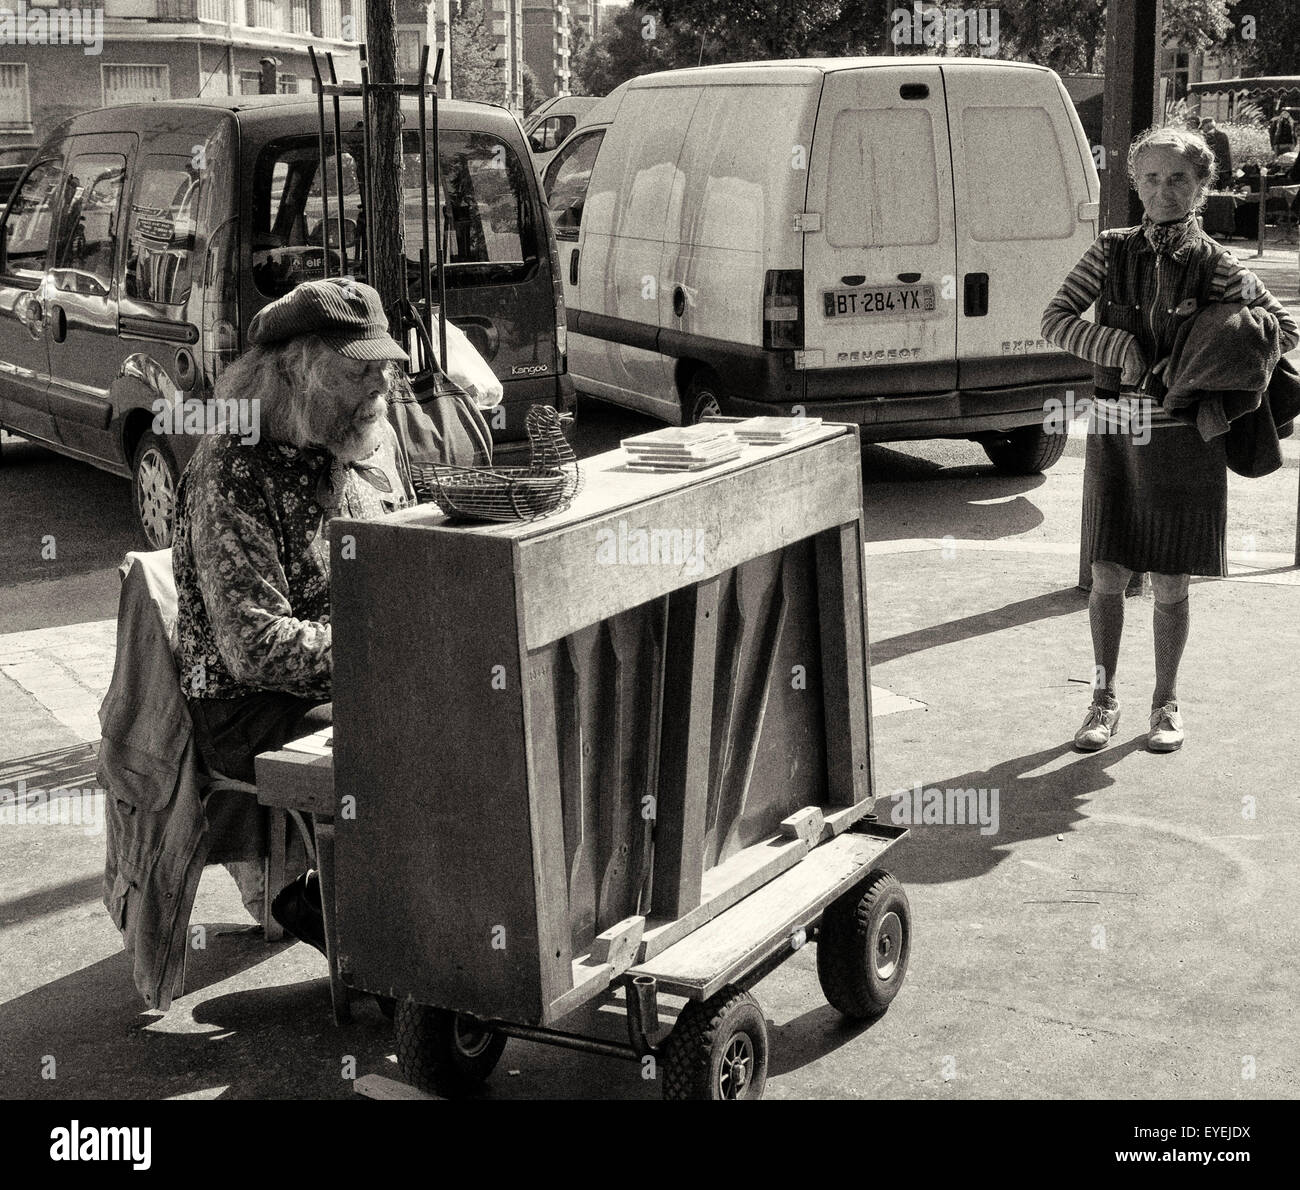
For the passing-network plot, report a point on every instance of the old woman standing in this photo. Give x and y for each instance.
(1155, 493)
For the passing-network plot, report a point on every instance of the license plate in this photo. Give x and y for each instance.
(879, 301)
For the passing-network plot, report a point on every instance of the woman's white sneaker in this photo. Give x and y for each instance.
(1166, 734)
(1098, 727)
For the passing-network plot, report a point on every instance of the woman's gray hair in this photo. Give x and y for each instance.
(1193, 147)
(284, 378)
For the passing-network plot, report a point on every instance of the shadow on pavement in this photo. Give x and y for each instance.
(1030, 806)
(105, 1044)
(73, 767)
(1064, 602)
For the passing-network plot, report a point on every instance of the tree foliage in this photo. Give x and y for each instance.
(1067, 35)
(1265, 35)
(474, 71)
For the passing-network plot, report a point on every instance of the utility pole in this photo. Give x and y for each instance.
(1130, 99)
(387, 269)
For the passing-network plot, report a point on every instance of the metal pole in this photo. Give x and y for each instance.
(368, 155)
(324, 169)
(338, 168)
(426, 292)
(438, 235)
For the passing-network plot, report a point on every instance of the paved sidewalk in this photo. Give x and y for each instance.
(1125, 927)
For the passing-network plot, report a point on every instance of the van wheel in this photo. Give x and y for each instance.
(1026, 451)
(154, 479)
(702, 398)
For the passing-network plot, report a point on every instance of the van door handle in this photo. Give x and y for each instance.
(977, 295)
(58, 324)
(573, 268)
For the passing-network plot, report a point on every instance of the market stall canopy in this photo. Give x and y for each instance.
(1282, 84)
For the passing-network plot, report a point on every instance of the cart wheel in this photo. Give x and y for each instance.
(717, 1049)
(862, 951)
(446, 1053)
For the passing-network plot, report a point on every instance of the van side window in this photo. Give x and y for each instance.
(550, 133)
(884, 189)
(160, 239)
(88, 224)
(1016, 175)
(490, 228)
(567, 179)
(30, 221)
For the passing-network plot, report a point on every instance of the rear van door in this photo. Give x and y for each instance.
(1027, 196)
(878, 254)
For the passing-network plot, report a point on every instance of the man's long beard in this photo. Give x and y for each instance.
(350, 440)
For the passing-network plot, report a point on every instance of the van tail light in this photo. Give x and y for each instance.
(783, 309)
(220, 339)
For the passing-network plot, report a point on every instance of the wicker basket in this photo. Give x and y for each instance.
(547, 485)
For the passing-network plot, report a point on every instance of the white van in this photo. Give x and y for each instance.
(870, 239)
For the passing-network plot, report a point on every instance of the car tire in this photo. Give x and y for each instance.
(703, 397)
(154, 481)
(1029, 450)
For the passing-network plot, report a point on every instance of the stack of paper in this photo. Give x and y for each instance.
(682, 448)
(771, 431)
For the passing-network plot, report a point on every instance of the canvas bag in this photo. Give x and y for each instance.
(437, 421)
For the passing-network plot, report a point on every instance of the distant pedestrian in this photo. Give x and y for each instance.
(1217, 139)
(1154, 500)
(1283, 132)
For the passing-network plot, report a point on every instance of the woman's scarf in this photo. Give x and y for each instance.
(1167, 238)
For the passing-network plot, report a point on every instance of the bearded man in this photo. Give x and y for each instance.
(251, 552)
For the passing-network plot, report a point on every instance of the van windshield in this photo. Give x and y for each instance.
(490, 233)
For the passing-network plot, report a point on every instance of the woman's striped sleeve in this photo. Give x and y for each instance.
(1104, 345)
(1233, 282)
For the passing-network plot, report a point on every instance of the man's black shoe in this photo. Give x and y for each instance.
(299, 917)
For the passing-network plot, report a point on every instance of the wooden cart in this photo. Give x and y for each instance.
(625, 746)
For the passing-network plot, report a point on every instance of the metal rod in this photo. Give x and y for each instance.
(426, 292)
(586, 1045)
(324, 168)
(367, 155)
(438, 237)
(643, 1014)
(338, 171)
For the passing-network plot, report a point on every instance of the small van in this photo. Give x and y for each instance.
(143, 239)
(550, 123)
(870, 240)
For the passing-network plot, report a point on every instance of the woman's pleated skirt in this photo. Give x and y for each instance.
(1155, 495)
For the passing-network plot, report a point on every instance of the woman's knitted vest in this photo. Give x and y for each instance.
(1142, 292)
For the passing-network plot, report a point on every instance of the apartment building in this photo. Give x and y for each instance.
(547, 31)
(57, 60)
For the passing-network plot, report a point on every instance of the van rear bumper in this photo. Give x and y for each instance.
(957, 413)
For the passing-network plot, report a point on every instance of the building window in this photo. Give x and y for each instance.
(213, 10)
(329, 18)
(269, 14)
(351, 20)
(15, 98)
(288, 84)
(301, 17)
(135, 83)
(250, 82)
